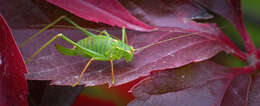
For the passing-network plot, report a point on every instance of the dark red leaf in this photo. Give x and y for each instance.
(13, 86)
(60, 95)
(167, 13)
(107, 11)
(43, 94)
(36, 91)
(63, 70)
(200, 84)
(237, 93)
(22, 13)
(177, 13)
(180, 53)
(231, 10)
(254, 94)
(36, 13)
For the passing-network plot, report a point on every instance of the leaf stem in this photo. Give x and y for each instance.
(248, 43)
(233, 48)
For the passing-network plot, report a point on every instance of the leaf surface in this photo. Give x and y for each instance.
(171, 18)
(187, 86)
(107, 11)
(167, 14)
(231, 10)
(64, 70)
(237, 92)
(253, 95)
(13, 86)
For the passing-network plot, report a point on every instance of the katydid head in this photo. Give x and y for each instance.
(129, 54)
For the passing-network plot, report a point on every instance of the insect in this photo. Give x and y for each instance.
(101, 48)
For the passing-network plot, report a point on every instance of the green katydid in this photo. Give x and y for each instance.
(102, 48)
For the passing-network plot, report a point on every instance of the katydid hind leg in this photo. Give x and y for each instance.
(43, 29)
(39, 50)
(52, 24)
(85, 50)
(79, 27)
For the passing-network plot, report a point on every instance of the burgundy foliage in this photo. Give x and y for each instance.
(204, 81)
(176, 72)
(63, 70)
(253, 95)
(107, 11)
(168, 14)
(231, 10)
(13, 86)
(237, 92)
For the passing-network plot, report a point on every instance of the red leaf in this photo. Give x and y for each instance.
(107, 11)
(167, 13)
(237, 93)
(231, 10)
(146, 60)
(13, 86)
(59, 96)
(31, 14)
(63, 70)
(22, 13)
(43, 94)
(205, 81)
(254, 94)
(178, 13)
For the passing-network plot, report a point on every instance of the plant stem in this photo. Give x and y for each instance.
(248, 43)
(233, 48)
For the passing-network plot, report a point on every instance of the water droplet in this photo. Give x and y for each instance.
(99, 71)
(21, 96)
(183, 76)
(58, 82)
(0, 59)
(90, 83)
